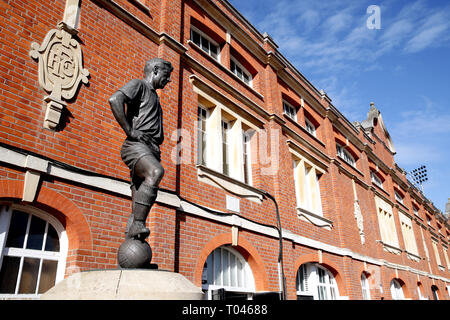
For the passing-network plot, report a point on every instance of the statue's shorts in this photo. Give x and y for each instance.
(132, 151)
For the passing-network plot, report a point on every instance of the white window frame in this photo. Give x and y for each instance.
(236, 148)
(244, 276)
(307, 185)
(226, 149)
(289, 110)
(205, 38)
(408, 234)
(247, 155)
(310, 127)
(311, 284)
(376, 179)
(397, 290)
(365, 287)
(6, 212)
(345, 155)
(386, 222)
(243, 72)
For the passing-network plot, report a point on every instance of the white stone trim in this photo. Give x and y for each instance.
(166, 198)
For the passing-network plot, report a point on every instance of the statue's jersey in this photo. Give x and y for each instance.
(144, 111)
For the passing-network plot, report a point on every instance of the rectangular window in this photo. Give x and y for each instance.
(408, 234)
(310, 127)
(376, 179)
(240, 71)
(205, 43)
(398, 197)
(307, 188)
(345, 155)
(386, 223)
(224, 141)
(289, 110)
(436, 252)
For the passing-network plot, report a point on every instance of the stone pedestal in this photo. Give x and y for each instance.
(128, 284)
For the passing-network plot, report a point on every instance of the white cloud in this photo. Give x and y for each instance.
(432, 32)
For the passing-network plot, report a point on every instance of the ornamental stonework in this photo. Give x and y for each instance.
(60, 63)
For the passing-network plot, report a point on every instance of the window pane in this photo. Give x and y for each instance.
(36, 233)
(225, 268)
(321, 275)
(48, 275)
(240, 270)
(52, 242)
(301, 277)
(217, 267)
(17, 229)
(8, 274)
(233, 274)
(29, 277)
(322, 293)
(196, 38)
(205, 45)
(213, 50)
(333, 293)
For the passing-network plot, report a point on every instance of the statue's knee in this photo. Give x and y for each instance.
(158, 173)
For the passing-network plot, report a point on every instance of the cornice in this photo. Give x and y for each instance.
(351, 175)
(140, 26)
(349, 135)
(303, 92)
(215, 12)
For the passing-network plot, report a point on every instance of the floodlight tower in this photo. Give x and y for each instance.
(419, 176)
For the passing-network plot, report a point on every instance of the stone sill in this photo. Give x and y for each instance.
(141, 6)
(390, 248)
(231, 185)
(413, 257)
(314, 219)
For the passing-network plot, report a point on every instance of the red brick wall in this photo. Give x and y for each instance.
(114, 53)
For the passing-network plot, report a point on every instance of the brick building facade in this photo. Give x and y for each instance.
(241, 124)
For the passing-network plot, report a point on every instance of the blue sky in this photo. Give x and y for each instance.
(404, 67)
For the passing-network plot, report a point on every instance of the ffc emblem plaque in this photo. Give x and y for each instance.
(60, 69)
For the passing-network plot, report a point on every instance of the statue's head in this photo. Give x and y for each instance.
(158, 71)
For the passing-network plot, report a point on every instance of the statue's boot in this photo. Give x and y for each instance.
(144, 199)
(138, 230)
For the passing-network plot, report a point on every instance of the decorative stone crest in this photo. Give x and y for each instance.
(60, 69)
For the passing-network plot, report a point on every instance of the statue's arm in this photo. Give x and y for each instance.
(117, 102)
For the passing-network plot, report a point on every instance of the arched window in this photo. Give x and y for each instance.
(365, 287)
(33, 248)
(419, 291)
(397, 290)
(316, 282)
(225, 268)
(435, 290)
